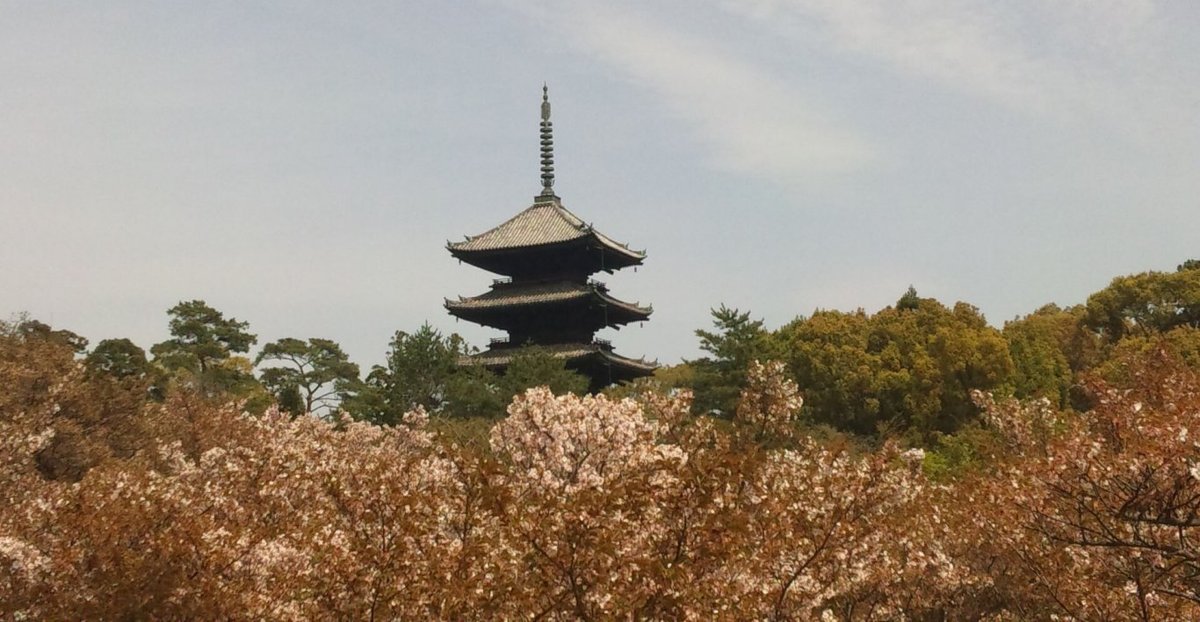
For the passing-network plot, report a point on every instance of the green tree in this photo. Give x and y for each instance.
(736, 341)
(474, 391)
(34, 330)
(202, 346)
(120, 358)
(1146, 303)
(311, 376)
(418, 368)
(908, 368)
(1181, 344)
(1049, 347)
(828, 356)
(535, 367)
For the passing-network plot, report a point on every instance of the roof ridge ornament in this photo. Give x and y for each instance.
(547, 136)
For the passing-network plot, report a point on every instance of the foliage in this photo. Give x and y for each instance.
(474, 391)
(535, 367)
(590, 508)
(95, 416)
(314, 377)
(1048, 348)
(770, 404)
(907, 368)
(29, 328)
(719, 378)
(1117, 367)
(418, 368)
(965, 453)
(1097, 514)
(1150, 302)
(201, 350)
(624, 505)
(828, 356)
(120, 358)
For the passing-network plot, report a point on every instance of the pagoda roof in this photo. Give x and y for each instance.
(501, 356)
(545, 222)
(505, 295)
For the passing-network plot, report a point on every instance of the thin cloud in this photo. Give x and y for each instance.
(752, 122)
(1068, 59)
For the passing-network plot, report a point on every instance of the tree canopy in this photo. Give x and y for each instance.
(906, 368)
(307, 376)
(202, 348)
(1150, 302)
(120, 358)
(418, 367)
(735, 342)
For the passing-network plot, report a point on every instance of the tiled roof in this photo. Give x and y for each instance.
(538, 293)
(568, 351)
(503, 296)
(546, 222)
(615, 358)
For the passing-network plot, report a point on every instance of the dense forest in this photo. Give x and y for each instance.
(911, 463)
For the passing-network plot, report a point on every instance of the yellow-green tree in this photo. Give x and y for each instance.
(906, 369)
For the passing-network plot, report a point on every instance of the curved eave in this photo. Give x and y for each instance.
(634, 257)
(481, 306)
(571, 353)
(632, 308)
(616, 360)
(508, 302)
(615, 255)
(499, 357)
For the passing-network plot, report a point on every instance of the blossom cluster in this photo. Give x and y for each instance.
(598, 508)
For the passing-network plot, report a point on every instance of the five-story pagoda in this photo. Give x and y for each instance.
(547, 299)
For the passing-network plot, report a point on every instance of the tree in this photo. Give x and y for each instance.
(828, 356)
(33, 329)
(737, 340)
(120, 358)
(1049, 348)
(474, 391)
(315, 374)
(907, 369)
(1182, 343)
(534, 367)
(202, 345)
(418, 367)
(1150, 302)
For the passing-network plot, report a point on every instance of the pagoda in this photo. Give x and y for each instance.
(546, 297)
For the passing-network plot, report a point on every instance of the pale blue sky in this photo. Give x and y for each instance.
(301, 165)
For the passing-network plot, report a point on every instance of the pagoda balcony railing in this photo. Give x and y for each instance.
(502, 281)
(499, 342)
(598, 285)
(603, 343)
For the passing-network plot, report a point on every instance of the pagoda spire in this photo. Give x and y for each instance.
(547, 145)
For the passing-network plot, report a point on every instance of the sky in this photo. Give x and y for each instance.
(301, 165)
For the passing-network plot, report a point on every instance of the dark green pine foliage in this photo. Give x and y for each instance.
(735, 341)
(203, 342)
(311, 376)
